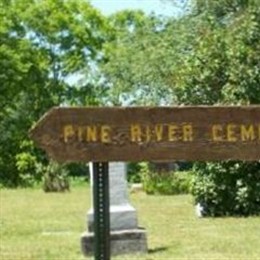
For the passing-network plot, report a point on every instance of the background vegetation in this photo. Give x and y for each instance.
(59, 53)
(47, 51)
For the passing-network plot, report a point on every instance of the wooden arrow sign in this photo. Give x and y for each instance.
(200, 133)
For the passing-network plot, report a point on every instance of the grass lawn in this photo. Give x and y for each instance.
(39, 226)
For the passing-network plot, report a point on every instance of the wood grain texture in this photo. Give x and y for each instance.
(192, 133)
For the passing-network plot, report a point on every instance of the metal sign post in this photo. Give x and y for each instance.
(101, 211)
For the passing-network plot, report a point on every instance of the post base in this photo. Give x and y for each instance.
(121, 242)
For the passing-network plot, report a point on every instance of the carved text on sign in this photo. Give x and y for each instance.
(184, 132)
(195, 133)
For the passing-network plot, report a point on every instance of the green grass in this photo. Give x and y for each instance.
(35, 225)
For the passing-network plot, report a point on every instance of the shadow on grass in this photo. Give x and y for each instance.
(157, 249)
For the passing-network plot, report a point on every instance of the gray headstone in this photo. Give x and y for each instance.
(122, 215)
(125, 235)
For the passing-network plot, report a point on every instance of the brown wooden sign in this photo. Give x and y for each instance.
(192, 133)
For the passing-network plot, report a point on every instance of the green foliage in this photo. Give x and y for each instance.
(221, 8)
(78, 170)
(211, 56)
(27, 165)
(45, 49)
(134, 172)
(166, 183)
(224, 68)
(132, 64)
(55, 178)
(227, 189)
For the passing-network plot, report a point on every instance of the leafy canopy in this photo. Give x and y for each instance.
(45, 46)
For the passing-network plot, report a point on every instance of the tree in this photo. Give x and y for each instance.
(133, 66)
(207, 56)
(43, 45)
(210, 55)
(227, 72)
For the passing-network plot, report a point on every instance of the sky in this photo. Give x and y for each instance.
(158, 7)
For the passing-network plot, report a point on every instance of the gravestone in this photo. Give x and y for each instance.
(125, 235)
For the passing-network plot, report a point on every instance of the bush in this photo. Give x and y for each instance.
(55, 178)
(78, 170)
(166, 183)
(227, 189)
(133, 172)
(28, 168)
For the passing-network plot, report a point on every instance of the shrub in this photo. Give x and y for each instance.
(28, 169)
(227, 189)
(55, 178)
(167, 183)
(133, 172)
(78, 170)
